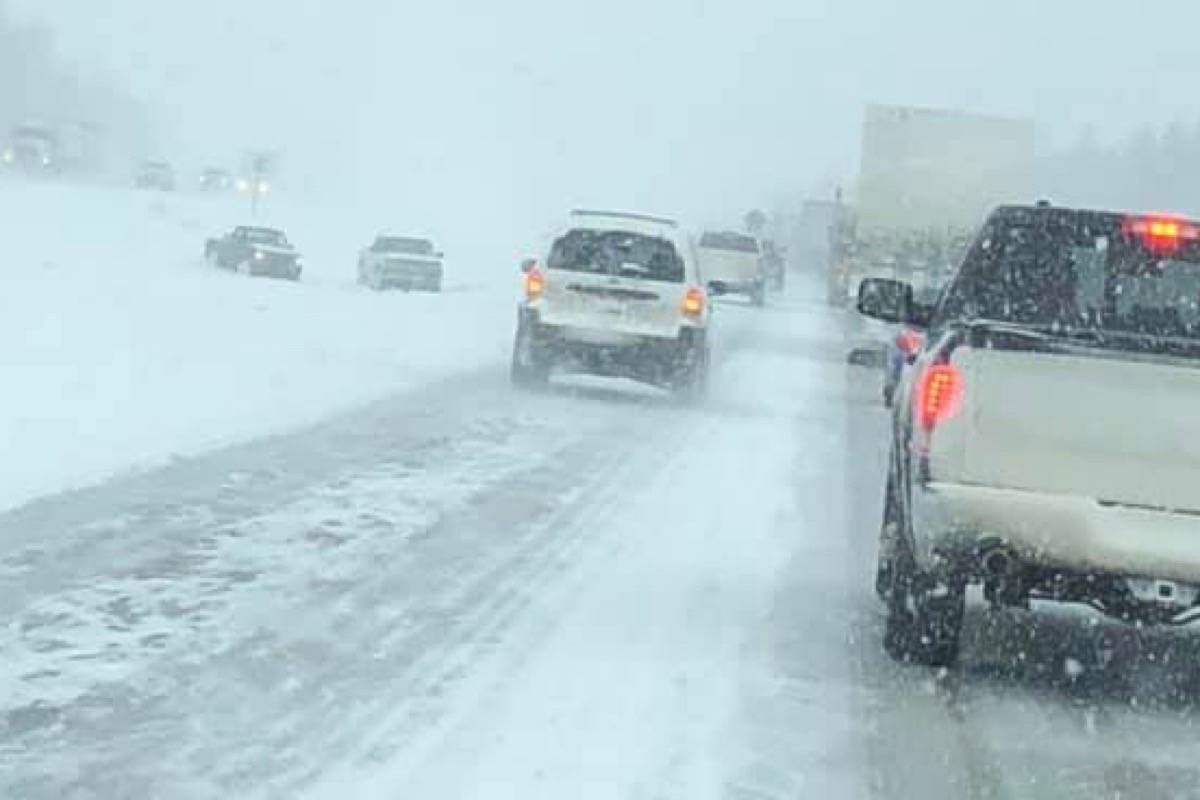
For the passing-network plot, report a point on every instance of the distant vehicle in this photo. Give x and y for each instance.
(155, 175)
(1045, 443)
(401, 262)
(774, 264)
(253, 185)
(616, 295)
(901, 350)
(814, 233)
(735, 260)
(255, 251)
(215, 180)
(33, 149)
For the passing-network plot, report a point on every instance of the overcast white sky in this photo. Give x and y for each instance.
(700, 107)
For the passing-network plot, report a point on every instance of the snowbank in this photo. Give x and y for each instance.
(121, 349)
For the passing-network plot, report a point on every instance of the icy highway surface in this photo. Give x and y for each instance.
(466, 592)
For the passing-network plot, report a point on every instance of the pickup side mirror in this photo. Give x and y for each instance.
(887, 300)
(439, 254)
(718, 288)
(527, 264)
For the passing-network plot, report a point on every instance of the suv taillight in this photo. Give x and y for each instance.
(693, 302)
(535, 283)
(938, 396)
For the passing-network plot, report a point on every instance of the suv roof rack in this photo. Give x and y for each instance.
(584, 212)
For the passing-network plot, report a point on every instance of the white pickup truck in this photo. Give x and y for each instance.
(733, 260)
(402, 262)
(1046, 443)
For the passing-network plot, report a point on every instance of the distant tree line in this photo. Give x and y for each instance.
(1153, 169)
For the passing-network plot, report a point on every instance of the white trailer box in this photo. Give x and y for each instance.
(939, 171)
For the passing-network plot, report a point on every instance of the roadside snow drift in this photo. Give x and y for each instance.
(122, 349)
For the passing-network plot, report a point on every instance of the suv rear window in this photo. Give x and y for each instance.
(1080, 273)
(729, 241)
(262, 236)
(403, 244)
(630, 255)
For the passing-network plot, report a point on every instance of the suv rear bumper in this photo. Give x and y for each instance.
(655, 359)
(1068, 532)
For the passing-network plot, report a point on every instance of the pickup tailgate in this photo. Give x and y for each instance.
(730, 266)
(1120, 429)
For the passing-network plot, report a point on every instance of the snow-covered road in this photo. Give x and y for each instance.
(466, 592)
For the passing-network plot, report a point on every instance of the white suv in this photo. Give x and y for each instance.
(618, 295)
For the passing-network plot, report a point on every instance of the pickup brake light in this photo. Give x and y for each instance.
(1161, 232)
(939, 393)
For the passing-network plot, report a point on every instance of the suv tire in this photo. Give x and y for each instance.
(530, 362)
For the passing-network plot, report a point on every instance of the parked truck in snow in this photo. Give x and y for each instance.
(255, 251)
(402, 262)
(31, 149)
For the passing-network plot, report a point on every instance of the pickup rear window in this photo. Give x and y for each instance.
(261, 236)
(630, 255)
(405, 245)
(736, 242)
(1081, 275)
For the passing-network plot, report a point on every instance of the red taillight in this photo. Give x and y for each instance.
(909, 341)
(535, 283)
(693, 302)
(939, 395)
(1161, 232)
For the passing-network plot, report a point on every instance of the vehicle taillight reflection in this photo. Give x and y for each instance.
(909, 341)
(939, 395)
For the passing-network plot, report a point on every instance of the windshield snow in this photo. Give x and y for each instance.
(617, 253)
(671, 400)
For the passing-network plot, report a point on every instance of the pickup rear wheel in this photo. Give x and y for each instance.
(924, 612)
(924, 616)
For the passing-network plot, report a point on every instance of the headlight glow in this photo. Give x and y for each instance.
(259, 255)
